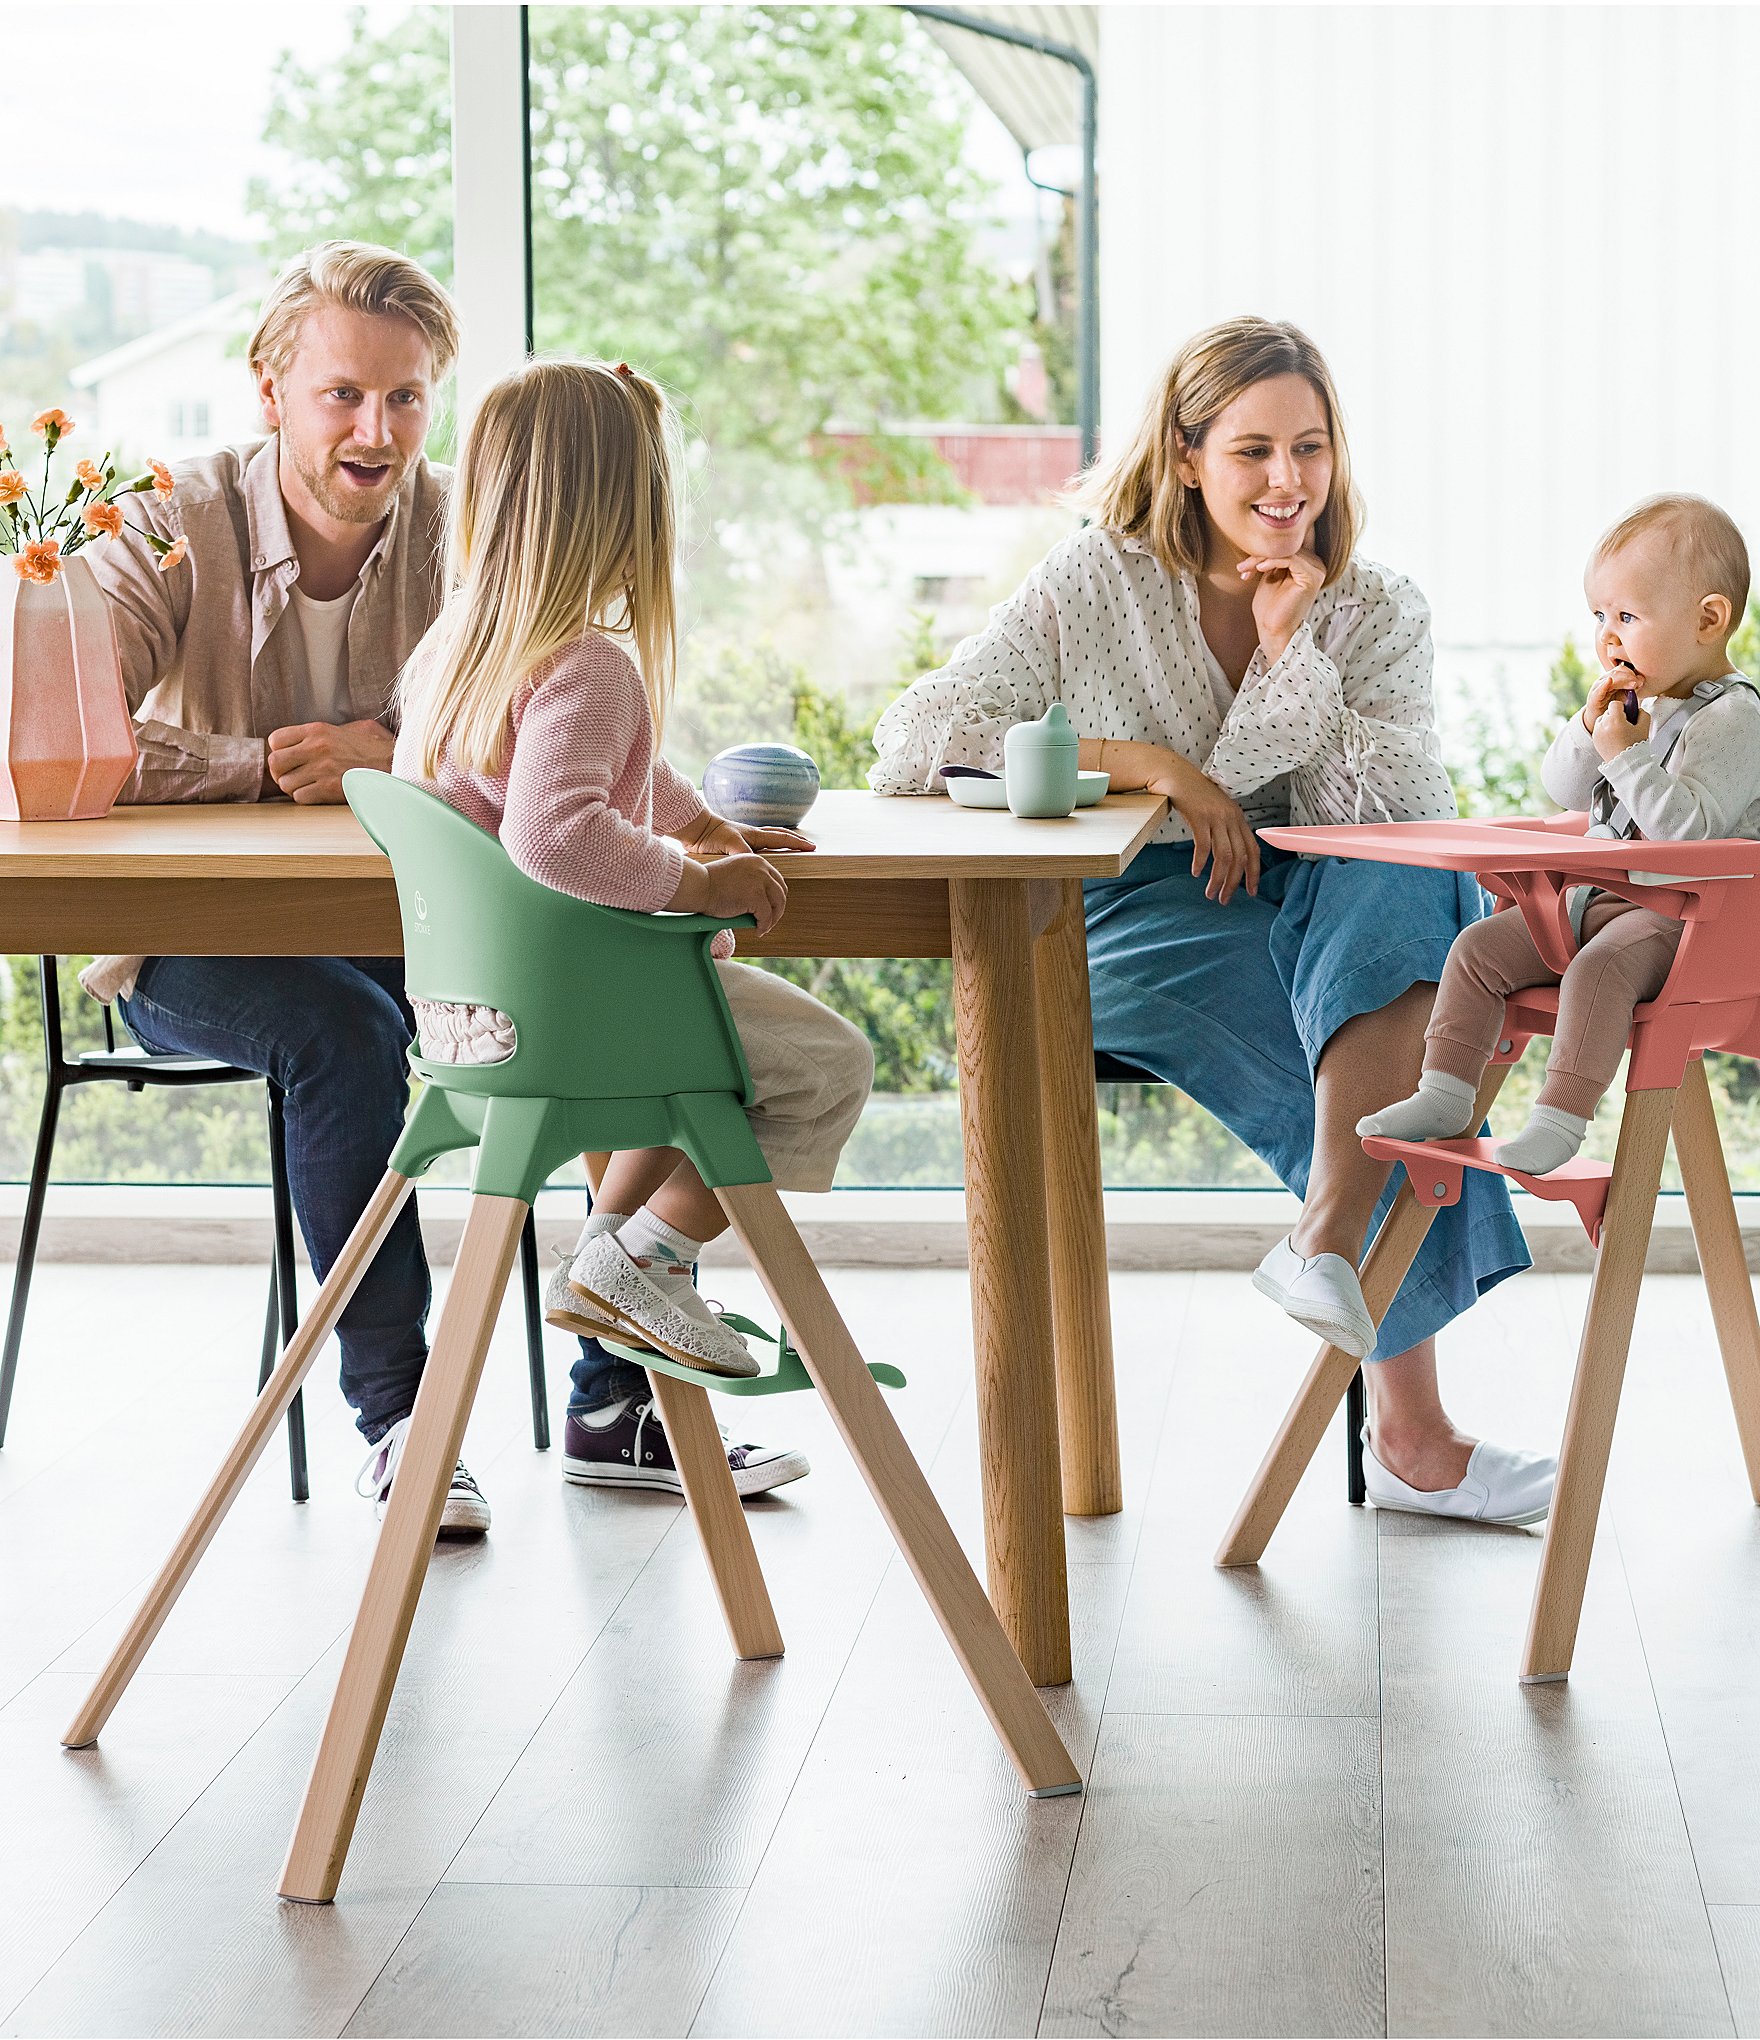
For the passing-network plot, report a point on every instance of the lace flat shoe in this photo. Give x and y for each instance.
(465, 1512)
(682, 1328)
(1500, 1485)
(1321, 1292)
(627, 1447)
(569, 1311)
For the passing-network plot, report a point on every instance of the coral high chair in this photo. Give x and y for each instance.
(624, 1040)
(1710, 1000)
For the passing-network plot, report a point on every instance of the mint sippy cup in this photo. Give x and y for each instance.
(1039, 764)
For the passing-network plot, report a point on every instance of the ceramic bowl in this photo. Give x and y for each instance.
(993, 793)
(763, 785)
(1091, 787)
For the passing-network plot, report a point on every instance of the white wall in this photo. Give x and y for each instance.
(1527, 238)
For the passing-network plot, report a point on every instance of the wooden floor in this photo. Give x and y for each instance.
(1318, 1803)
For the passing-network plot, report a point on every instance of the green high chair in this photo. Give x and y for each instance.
(623, 1040)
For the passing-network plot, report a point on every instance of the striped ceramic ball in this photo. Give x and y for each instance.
(765, 785)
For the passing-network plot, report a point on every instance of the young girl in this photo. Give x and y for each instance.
(521, 709)
(1666, 585)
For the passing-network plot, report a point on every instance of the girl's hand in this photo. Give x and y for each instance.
(712, 836)
(744, 884)
(1612, 733)
(1283, 594)
(1220, 829)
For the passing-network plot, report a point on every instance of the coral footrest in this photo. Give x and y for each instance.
(1437, 1166)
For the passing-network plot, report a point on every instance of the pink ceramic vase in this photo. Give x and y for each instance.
(66, 740)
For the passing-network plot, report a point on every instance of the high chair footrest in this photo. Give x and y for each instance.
(1436, 1168)
(787, 1377)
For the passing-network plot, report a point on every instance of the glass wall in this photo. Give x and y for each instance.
(130, 270)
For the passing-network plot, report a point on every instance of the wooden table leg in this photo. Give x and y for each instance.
(1601, 1370)
(993, 1003)
(1081, 1308)
(1717, 1233)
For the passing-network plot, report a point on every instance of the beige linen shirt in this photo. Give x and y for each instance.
(213, 659)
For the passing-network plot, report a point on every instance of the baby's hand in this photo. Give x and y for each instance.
(1611, 688)
(1613, 733)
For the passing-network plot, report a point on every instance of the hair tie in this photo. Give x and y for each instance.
(623, 368)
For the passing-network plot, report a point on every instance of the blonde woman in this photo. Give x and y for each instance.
(1217, 639)
(534, 706)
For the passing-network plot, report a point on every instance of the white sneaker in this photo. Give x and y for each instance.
(1500, 1486)
(1322, 1293)
(569, 1311)
(677, 1323)
(464, 1514)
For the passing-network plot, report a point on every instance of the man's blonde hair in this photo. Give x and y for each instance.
(361, 278)
(1705, 542)
(563, 521)
(1140, 495)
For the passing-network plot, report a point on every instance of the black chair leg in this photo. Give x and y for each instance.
(534, 1299)
(1355, 1413)
(26, 1263)
(283, 1291)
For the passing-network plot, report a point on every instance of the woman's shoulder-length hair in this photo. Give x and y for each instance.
(1140, 494)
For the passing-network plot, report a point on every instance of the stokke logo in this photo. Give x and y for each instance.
(421, 907)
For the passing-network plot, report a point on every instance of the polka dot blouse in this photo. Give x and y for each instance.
(1341, 728)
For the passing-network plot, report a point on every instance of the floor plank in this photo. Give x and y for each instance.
(537, 1959)
(1227, 1881)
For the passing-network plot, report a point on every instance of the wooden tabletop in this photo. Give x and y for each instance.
(859, 835)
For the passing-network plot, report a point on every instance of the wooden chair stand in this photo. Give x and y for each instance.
(654, 1063)
(1711, 1001)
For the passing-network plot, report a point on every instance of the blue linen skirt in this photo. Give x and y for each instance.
(1234, 1004)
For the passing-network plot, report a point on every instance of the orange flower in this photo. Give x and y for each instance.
(162, 482)
(40, 561)
(12, 485)
(90, 474)
(53, 425)
(102, 520)
(172, 554)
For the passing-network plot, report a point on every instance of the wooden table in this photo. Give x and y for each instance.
(1000, 896)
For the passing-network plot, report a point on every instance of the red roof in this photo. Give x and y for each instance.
(1020, 464)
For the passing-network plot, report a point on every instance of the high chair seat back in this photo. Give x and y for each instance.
(1710, 1000)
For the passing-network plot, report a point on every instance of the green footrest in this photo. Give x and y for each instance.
(788, 1375)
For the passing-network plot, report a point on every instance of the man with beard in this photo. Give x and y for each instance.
(266, 674)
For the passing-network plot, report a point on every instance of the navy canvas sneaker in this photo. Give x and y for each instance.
(625, 1445)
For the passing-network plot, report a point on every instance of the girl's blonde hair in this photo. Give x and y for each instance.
(1140, 495)
(562, 522)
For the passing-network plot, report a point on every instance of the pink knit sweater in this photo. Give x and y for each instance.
(580, 802)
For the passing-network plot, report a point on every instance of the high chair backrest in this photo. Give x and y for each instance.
(605, 1004)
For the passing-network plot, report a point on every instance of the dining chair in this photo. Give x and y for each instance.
(1711, 1000)
(1113, 1069)
(623, 1039)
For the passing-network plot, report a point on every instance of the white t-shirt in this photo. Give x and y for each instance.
(324, 627)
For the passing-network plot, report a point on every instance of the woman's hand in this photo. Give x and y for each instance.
(712, 835)
(1220, 829)
(1283, 594)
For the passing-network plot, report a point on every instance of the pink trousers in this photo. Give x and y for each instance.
(1625, 957)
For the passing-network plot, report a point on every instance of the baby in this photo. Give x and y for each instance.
(1667, 585)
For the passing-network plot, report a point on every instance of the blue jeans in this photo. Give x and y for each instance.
(1234, 1005)
(333, 1032)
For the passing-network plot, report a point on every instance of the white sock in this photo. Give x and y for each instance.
(598, 1222)
(1440, 1108)
(1547, 1142)
(645, 1238)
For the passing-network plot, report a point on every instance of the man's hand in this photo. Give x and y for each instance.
(307, 760)
(711, 836)
(1283, 593)
(1220, 829)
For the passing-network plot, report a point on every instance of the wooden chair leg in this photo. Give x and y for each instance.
(406, 1542)
(1717, 1232)
(1601, 1367)
(1081, 1307)
(1392, 1252)
(277, 1393)
(722, 1529)
(924, 1537)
